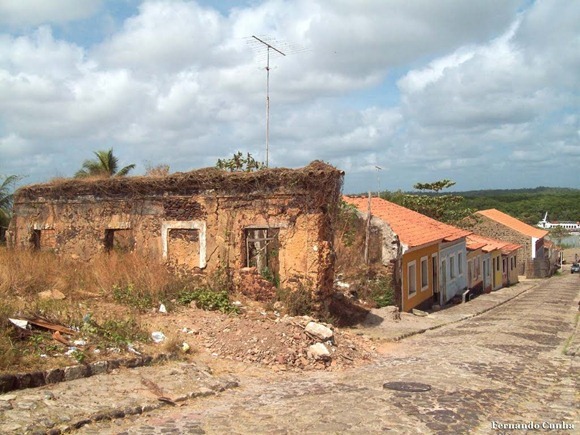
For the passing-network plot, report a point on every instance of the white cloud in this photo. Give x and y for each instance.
(16, 13)
(179, 83)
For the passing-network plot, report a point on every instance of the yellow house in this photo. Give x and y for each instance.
(474, 264)
(412, 242)
(502, 260)
(509, 256)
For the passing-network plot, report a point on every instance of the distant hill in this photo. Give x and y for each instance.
(528, 205)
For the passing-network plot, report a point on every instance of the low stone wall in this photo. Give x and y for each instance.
(538, 268)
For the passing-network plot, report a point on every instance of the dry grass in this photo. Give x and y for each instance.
(26, 273)
(113, 289)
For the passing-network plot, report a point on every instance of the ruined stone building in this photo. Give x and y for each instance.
(533, 258)
(278, 220)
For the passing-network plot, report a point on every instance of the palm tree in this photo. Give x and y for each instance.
(6, 198)
(105, 165)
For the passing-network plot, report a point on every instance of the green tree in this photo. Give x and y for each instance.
(104, 165)
(430, 202)
(239, 163)
(6, 199)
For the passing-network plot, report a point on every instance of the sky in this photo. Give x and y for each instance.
(394, 92)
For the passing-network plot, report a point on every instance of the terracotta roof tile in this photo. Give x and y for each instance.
(413, 229)
(490, 244)
(472, 245)
(513, 223)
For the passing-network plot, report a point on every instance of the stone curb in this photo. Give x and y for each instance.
(465, 317)
(21, 381)
(115, 413)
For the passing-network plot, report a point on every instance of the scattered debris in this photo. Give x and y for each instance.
(41, 323)
(162, 309)
(58, 337)
(319, 351)
(22, 324)
(319, 331)
(157, 390)
(158, 336)
(419, 313)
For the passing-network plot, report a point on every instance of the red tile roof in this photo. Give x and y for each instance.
(473, 245)
(491, 244)
(513, 223)
(413, 229)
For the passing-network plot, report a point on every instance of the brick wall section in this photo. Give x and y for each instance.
(490, 228)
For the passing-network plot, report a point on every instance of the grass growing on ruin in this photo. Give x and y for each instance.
(103, 299)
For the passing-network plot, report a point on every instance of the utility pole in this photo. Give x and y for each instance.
(268, 48)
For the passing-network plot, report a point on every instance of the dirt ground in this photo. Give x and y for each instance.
(256, 336)
(262, 338)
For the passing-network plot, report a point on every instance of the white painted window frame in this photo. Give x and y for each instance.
(185, 225)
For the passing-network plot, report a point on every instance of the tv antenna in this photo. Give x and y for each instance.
(378, 168)
(268, 48)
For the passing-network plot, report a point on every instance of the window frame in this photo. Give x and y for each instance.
(411, 265)
(452, 274)
(424, 273)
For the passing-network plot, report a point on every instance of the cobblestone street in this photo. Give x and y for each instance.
(507, 357)
(506, 366)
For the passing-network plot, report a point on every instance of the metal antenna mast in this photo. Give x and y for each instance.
(268, 47)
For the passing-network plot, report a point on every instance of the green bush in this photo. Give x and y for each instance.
(207, 299)
(131, 297)
(381, 291)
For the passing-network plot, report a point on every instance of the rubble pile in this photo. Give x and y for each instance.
(280, 342)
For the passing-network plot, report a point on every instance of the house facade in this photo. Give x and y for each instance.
(277, 220)
(499, 260)
(453, 268)
(427, 258)
(509, 255)
(474, 265)
(532, 259)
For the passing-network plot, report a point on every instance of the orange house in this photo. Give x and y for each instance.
(412, 242)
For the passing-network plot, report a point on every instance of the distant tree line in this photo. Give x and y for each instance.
(527, 205)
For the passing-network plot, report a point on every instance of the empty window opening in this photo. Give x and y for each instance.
(42, 240)
(119, 240)
(262, 252)
(35, 240)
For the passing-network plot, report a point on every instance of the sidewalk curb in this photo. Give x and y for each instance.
(465, 317)
(115, 413)
(21, 381)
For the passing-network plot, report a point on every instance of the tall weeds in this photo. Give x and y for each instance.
(27, 273)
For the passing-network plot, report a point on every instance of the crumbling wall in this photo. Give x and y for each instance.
(203, 220)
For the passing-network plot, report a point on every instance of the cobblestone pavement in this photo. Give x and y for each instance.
(351, 401)
(505, 366)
